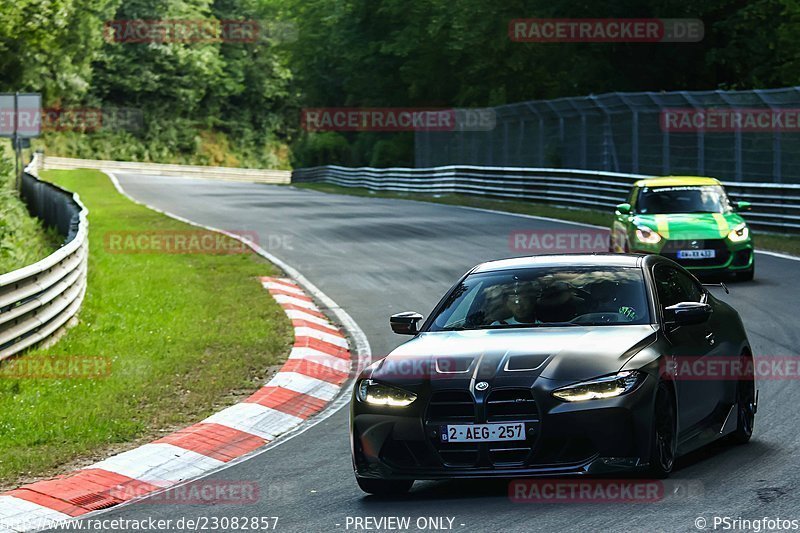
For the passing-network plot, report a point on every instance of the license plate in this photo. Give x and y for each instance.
(697, 254)
(483, 432)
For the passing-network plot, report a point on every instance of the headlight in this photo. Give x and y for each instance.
(600, 388)
(375, 393)
(646, 235)
(739, 233)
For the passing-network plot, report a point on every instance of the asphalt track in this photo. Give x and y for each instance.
(375, 257)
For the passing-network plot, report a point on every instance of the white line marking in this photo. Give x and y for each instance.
(320, 358)
(282, 287)
(297, 382)
(255, 419)
(159, 464)
(284, 299)
(17, 514)
(779, 255)
(336, 340)
(296, 314)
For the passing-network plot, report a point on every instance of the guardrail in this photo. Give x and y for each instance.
(776, 207)
(38, 300)
(159, 169)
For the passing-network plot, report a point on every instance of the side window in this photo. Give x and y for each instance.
(673, 286)
(689, 288)
(666, 286)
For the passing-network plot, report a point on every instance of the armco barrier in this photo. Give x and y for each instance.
(158, 169)
(37, 300)
(776, 207)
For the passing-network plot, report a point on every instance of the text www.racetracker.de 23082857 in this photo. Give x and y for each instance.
(197, 523)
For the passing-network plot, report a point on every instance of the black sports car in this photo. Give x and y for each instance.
(553, 365)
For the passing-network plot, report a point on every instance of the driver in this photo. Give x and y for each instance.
(613, 297)
(558, 303)
(520, 299)
(604, 296)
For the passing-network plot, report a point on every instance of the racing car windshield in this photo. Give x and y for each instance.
(536, 297)
(697, 199)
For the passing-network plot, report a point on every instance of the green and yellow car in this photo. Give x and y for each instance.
(689, 220)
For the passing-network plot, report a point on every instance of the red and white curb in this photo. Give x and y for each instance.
(319, 364)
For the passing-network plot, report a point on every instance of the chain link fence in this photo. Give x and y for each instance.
(744, 136)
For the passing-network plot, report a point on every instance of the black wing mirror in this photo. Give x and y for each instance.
(405, 323)
(687, 313)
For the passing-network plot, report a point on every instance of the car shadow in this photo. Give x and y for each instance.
(463, 489)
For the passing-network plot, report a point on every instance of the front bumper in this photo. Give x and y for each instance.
(729, 257)
(562, 439)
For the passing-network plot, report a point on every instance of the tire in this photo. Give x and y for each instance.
(664, 438)
(745, 411)
(384, 487)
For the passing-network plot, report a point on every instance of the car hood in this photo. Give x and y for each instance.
(690, 225)
(558, 353)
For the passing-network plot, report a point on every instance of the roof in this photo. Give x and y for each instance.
(677, 181)
(566, 260)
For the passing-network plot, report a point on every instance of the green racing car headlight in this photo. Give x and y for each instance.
(739, 233)
(375, 393)
(602, 387)
(646, 235)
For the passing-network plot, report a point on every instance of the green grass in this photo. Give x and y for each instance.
(23, 239)
(186, 335)
(785, 243)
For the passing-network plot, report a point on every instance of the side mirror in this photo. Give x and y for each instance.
(405, 323)
(687, 313)
(624, 209)
(743, 206)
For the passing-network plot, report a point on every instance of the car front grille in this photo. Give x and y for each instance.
(502, 405)
(671, 249)
(451, 406)
(505, 405)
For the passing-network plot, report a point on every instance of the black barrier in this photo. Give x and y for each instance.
(54, 206)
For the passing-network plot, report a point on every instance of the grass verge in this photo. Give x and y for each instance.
(23, 239)
(777, 242)
(185, 333)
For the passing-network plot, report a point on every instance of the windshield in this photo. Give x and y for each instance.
(536, 297)
(704, 199)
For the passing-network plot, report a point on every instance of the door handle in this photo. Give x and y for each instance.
(710, 338)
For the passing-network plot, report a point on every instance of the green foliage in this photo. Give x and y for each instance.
(240, 102)
(23, 239)
(440, 53)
